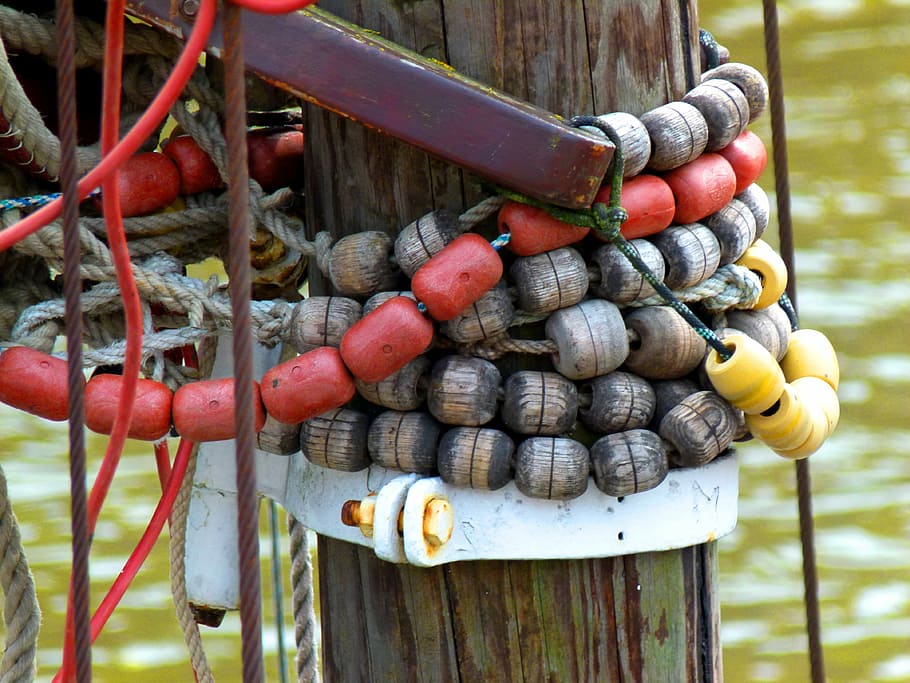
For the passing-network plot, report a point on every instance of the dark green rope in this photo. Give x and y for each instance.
(785, 303)
(609, 229)
(710, 47)
(582, 218)
(607, 219)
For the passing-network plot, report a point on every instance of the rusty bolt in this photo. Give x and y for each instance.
(359, 513)
(438, 522)
(350, 512)
(189, 8)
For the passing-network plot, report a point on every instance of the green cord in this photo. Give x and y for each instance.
(607, 219)
(785, 303)
(610, 229)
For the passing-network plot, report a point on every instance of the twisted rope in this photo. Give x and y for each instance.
(496, 347)
(480, 212)
(21, 614)
(304, 612)
(785, 232)
(177, 548)
(26, 125)
(731, 286)
(204, 126)
(158, 280)
(25, 32)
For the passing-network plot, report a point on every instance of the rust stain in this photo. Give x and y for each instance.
(441, 64)
(662, 632)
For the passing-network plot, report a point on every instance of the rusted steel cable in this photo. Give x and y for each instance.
(79, 655)
(785, 228)
(240, 286)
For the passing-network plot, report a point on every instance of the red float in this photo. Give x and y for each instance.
(198, 172)
(649, 202)
(204, 411)
(151, 414)
(34, 382)
(275, 157)
(701, 187)
(534, 231)
(308, 385)
(457, 276)
(386, 339)
(748, 157)
(148, 182)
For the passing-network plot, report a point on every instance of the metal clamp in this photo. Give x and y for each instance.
(691, 506)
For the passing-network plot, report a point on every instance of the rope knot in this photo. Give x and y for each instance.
(608, 219)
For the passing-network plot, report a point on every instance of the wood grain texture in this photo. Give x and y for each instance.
(647, 617)
(633, 618)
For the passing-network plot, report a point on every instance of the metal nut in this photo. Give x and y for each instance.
(189, 8)
(438, 522)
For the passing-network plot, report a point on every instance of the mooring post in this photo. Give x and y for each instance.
(646, 617)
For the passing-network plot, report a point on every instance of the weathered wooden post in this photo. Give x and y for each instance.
(647, 617)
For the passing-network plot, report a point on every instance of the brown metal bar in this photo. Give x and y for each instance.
(356, 74)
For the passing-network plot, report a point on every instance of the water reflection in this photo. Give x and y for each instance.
(847, 106)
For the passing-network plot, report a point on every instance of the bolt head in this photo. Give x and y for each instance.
(189, 8)
(359, 513)
(438, 522)
(350, 512)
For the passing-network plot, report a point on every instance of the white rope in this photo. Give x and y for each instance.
(21, 615)
(304, 610)
(731, 286)
(479, 212)
(178, 523)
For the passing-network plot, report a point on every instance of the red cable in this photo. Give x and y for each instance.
(273, 6)
(163, 463)
(132, 306)
(144, 127)
(145, 545)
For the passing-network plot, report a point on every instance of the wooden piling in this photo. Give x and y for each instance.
(647, 617)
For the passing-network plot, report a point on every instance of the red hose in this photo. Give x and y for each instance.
(163, 463)
(132, 306)
(145, 545)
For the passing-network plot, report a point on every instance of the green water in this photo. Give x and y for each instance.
(848, 106)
